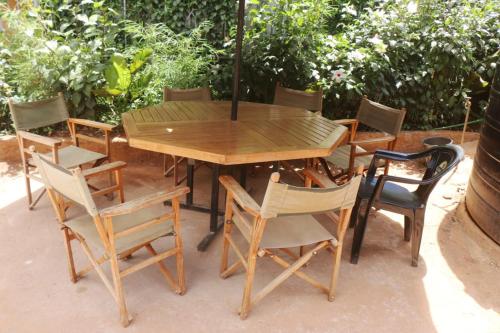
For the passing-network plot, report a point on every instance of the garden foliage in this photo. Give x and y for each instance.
(426, 55)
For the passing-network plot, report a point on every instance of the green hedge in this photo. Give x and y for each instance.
(427, 56)
(424, 55)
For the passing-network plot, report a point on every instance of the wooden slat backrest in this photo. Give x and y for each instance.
(380, 117)
(37, 114)
(70, 184)
(312, 101)
(195, 94)
(284, 199)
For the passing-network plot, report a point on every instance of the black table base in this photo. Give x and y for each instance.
(215, 213)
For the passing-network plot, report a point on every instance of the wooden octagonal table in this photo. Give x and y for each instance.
(201, 130)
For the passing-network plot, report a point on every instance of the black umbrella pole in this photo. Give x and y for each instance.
(237, 60)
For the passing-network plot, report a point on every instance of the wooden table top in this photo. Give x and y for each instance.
(204, 131)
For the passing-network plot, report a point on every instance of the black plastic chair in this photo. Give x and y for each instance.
(383, 192)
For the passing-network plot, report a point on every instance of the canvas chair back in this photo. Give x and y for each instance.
(196, 94)
(37, 114)
(380, 117)
(312, 101)
(70, 184)
(283, 199)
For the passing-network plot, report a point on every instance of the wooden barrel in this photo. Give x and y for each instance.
(483, 194)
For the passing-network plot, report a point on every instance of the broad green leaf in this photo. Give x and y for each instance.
(140, 59)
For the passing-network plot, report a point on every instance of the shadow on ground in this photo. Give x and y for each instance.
(472, 256)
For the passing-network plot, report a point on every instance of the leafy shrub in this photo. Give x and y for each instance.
(183, 16)
(281, 44)
(426, 56)
(76, 47)
(174, 60)
(41, 58)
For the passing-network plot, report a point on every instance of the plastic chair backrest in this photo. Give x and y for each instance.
(443, 160)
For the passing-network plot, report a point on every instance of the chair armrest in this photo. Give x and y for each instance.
(40, 139)
(397, 156)
(91, 123)
(387, 138)
(395, 179)
(240, 195)
(143, 202)
(345, 121)
(319, 179)
(108, 167)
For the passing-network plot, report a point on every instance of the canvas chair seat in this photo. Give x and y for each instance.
(289, 231)
(84, 226)
(73, 156)
(341, 155)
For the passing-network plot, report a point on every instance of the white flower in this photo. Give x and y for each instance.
(412, 7)
(338, 75)
(355, 55)
(378, 44)
(315, 74)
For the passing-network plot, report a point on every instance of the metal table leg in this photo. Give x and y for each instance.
(189, 203)
(214, 209)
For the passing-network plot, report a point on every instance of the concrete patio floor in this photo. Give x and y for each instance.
(455, 288)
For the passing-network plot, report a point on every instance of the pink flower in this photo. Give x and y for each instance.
(338, 75)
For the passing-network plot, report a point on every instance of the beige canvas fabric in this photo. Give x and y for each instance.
(84, 225)
(312, 101)
(380, 117)
(73, 156)
(340, 158)
(194, 94)
(71, 185)
(37, 114)
(284, 199)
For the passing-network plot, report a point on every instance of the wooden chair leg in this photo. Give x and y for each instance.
(119, 182)
(247, 293)
(179, 257)
(225, 247)
(228, 227)
(28, 191)
(167, 171)
(359, 232)
(337, 255)
(418, 226)
(112, 181)
(69, 253)
(176, 170)
(164, 270)
(120, 297)
(408, 227)
(38, 197)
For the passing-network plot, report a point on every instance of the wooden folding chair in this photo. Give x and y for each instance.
(312, 101)
(48, 112)
(117, 231)
(195, 94)
(284, 221)
(376, 116)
